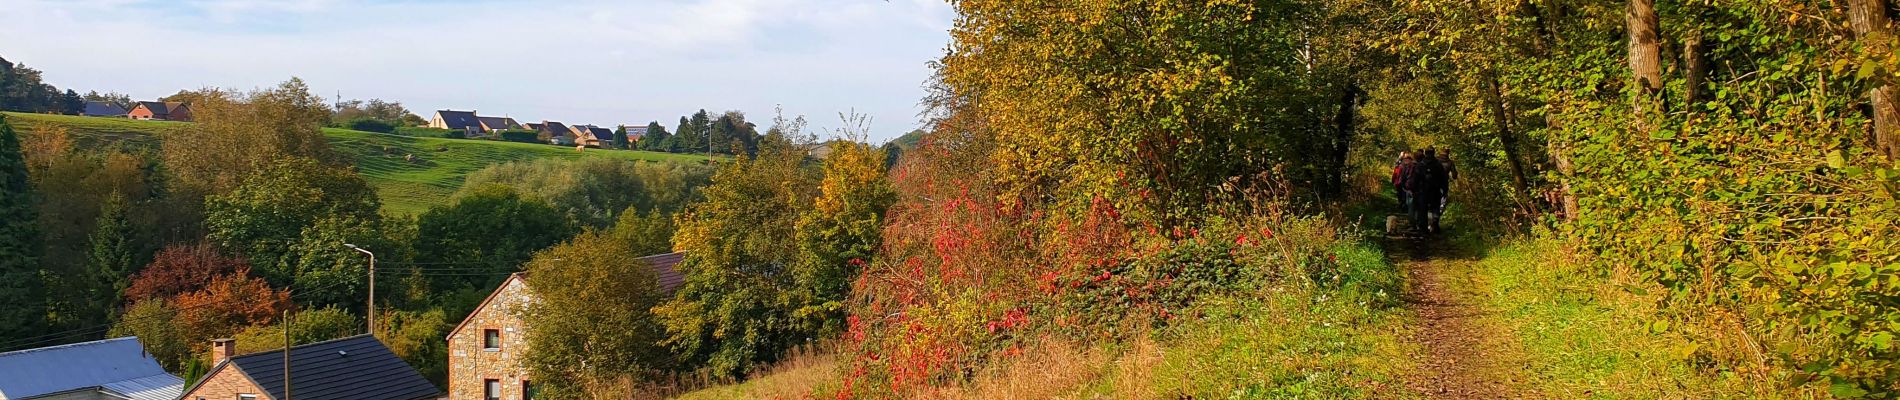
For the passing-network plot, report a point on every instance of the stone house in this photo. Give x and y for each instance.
(352, 368)
(486, 348)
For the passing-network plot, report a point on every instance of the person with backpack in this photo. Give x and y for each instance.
(1401, 170)
(1425, 182)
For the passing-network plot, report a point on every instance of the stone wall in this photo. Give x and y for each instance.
(227, 383)
(470, 365)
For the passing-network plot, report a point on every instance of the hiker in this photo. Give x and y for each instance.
(1450, 175)
(1426, 182)
(1400, 171)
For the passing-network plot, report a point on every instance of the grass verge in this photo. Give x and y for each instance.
(1585, 338)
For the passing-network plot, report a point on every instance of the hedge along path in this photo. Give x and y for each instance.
(1459, 354)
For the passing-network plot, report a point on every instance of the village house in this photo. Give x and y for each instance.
(486, 348)
(111, 369)
(464, 121)
(635, 132)
(161, 111)
(556, 132)
(102, 109)
(493, 124)
(353, 368)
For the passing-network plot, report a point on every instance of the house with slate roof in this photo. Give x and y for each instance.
(557, 133)
(102, 109)
(111, 369)
(160, 111)
(485, 349)
(464, 121)
(352, 368)
(492, 124)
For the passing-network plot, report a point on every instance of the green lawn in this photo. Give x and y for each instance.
(406, 187)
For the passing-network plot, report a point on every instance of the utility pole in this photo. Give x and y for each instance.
(371, 311)
(286, 354)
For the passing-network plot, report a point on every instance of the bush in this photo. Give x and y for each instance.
(370, 125)
(521, 135)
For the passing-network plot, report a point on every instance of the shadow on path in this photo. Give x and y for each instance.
(1458, 354)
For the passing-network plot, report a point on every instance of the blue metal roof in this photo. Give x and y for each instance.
(121, 361)
(155, 387)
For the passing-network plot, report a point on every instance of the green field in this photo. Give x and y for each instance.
(406, 187)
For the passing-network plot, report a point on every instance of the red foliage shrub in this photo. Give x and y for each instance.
(229, 303)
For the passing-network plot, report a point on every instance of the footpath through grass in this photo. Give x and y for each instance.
(406, 185)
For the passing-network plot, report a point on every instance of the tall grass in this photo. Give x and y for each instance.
(1586, 334)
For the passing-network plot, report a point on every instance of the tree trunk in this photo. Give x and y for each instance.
(1501, 117)
(1565, 171)
(1695, 70)
(1342, 141)
(1645, 58)
(1873, 28)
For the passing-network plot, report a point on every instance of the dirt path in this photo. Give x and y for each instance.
(1459, 355)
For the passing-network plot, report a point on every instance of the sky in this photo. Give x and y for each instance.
(601, 62)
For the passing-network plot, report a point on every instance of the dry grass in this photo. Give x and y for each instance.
(1060, 369)
(805, 371)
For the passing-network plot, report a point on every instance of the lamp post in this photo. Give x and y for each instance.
(372, 286)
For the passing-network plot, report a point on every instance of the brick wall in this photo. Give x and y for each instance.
(226, 384)
(470, 365)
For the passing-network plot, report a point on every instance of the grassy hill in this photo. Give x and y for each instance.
(406, 187)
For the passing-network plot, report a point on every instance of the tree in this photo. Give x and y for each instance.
(841, 233)
(1645, 57)
(227, 305)
(593, 190)
(237, 135)
(155, 324)
(309, 326)
(597, 328)
(1874, 29)
(329, 274)
(181, 268)
(485, 234)
(20, 285)
(656, 134)
(110, 264)
(416, 336)
(732, 311)
(71, 103)
(620, 137)
(121, 100)
(265, 216)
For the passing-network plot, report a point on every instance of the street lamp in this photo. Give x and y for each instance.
(371, 310)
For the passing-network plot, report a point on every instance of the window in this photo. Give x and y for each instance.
(491, 389)
(491, 339)
(247, 397)
(528, 390)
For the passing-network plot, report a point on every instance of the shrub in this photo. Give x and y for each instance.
(521, 135)
(370, 125)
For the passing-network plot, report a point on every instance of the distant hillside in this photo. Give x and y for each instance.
(406, 187)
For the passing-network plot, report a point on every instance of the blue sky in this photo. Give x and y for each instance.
(599, 62)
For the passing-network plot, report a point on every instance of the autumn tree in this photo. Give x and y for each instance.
(236, 134)
(599, 328)
(181, 268)
(841, 233)
(731, 312)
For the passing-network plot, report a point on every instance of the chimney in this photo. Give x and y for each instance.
(222, 349)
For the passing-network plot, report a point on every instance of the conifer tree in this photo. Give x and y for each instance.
(21, 287)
